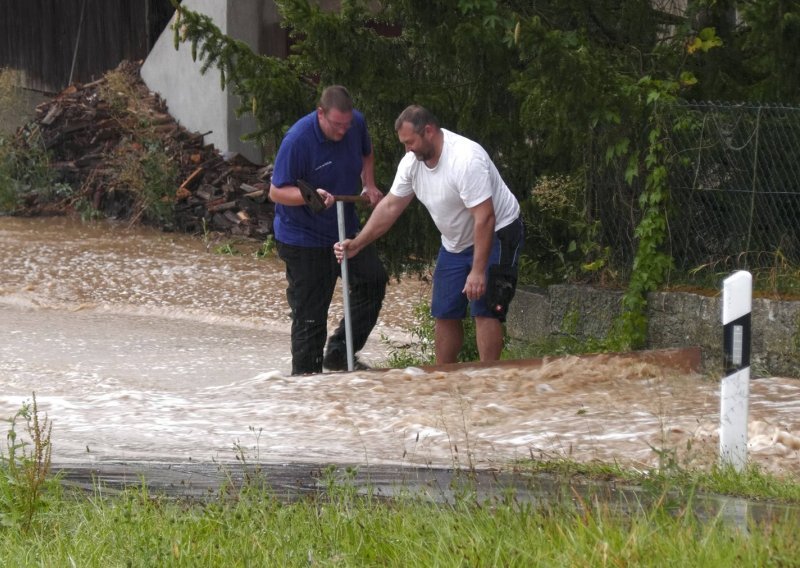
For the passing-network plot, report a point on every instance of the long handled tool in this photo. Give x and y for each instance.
(348, 328)
(317, 204)
(315, 201)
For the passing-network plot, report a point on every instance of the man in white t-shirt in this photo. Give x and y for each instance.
(478, 218)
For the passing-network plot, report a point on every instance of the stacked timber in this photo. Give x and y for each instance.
(111, 139)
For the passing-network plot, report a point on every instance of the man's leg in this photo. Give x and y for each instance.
(489, 336)
(488, 322)
(367, 279)
(449, 336)
(311, 280)
(501, 282)
(449, 304)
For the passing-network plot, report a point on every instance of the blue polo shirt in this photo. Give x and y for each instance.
(305, 153)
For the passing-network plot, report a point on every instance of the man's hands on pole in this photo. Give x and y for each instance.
(342, 250)
(382, 218)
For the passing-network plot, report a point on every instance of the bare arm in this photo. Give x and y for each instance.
(483, 218)
(368, 179)
(380, 221)
(290, 195)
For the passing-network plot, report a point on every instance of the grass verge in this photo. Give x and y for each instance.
(344, 528)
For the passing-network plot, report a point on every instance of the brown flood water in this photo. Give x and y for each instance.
(142, 345)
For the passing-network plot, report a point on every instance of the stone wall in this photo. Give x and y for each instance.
(676, 319)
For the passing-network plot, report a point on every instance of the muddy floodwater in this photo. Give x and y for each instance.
(143, 345)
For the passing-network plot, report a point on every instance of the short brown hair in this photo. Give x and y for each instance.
(418, 116)
(336, 97)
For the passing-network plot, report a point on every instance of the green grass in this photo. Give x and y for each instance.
(343, 528)
(751, 483)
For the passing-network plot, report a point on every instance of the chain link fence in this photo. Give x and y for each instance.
(734, 191)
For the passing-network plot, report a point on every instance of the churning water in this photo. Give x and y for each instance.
(142, 345)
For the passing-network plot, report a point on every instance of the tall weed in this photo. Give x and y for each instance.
(25, 467)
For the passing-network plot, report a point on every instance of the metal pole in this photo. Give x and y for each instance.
(348, 328)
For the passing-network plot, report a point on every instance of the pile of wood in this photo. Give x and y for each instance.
(103, 136)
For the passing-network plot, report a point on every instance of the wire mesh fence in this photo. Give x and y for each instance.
(734, 186)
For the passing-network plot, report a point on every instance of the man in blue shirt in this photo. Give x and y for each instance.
(330, 149)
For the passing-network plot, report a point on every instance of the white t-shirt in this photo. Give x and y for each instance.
(464, 177)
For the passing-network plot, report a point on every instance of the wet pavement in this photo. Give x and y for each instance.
(198, 482)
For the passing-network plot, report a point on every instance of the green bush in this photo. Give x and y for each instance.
(148, 173)
(26, 177)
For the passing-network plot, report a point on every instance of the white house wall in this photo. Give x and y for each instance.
(194, 99)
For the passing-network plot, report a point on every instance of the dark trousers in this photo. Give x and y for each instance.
(311, 273)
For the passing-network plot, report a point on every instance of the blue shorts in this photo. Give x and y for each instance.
(449, 276)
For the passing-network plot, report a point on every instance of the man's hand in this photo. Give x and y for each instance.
(328, 198)
(348, 247)
(384, 215)
(475, 286)
(373, 194)
(293, 195)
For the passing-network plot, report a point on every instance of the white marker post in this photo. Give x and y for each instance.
(348, 328)
(737, 301)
